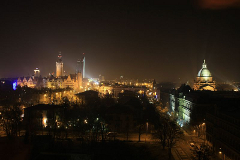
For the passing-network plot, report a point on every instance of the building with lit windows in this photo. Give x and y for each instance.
(26, 81)
(223, 131)
(73, 81)
(190, 107)
(43, 116)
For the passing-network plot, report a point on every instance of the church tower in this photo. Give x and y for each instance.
(59, 66)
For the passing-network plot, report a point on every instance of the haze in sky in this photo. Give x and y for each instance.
(135, 39)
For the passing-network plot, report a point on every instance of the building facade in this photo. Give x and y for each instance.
(223, 132)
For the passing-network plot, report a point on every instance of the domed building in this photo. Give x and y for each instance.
(204, 80)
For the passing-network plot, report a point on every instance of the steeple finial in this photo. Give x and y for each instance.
(204, 65)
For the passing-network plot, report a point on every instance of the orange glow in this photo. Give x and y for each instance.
(218, 4)
(45, 121)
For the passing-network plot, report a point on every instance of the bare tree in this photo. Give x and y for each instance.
(11, 119)
(173, 134)
(203, 152)
(167, 131)
(161, 133)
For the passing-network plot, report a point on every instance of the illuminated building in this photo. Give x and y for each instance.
(83, 64)
(36, 72)
(69, 82)
(105, 90)
(73, 81)
(59, 66)
(204, 80)
(43, 115)
(25, 82)
(190, 106)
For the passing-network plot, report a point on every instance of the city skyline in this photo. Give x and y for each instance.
(165, 41)
(155, 80)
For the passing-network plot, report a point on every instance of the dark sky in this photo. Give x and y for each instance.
(136, 39)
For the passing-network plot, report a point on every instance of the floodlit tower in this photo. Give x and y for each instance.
(36, 72)
(59, 66)
(83, 64)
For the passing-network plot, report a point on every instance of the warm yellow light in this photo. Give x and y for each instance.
(45, 121)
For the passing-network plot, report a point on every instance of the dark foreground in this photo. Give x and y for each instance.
(47, 149)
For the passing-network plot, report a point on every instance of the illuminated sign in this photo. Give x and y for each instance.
(14, 86)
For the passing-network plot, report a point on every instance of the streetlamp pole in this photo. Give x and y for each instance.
(146, 131)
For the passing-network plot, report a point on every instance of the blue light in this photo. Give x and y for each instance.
(14, 86)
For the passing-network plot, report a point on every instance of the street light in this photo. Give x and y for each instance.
(146, 131)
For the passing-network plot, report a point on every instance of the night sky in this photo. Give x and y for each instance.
(136, 39)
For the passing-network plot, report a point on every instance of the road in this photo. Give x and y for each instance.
(183, 149)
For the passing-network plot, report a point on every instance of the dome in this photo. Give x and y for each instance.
(204, 72)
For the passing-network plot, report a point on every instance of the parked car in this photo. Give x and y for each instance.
(192, 145)
(112, 134)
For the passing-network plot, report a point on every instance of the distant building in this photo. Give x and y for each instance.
(101, 78)
(73, 81)
(204, 79)
(26, 81)
(83, 64)
(36, 72)
(43, 115)
(87, 97)
(59, 66)
(122, 88)
(78, 67)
